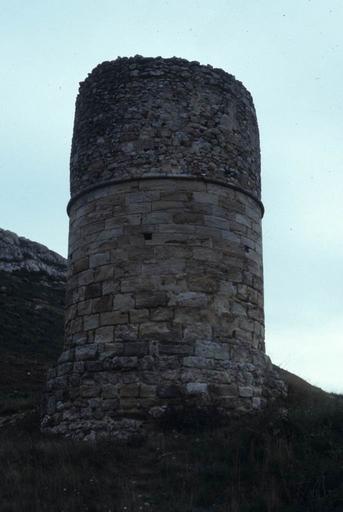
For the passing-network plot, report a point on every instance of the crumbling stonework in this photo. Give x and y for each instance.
(165, 289)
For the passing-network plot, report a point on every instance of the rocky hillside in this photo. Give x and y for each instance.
(32, 280)
(20, 254)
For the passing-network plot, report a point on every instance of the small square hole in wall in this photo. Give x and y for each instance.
(147, 236)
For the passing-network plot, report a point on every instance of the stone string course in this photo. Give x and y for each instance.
(165, 287)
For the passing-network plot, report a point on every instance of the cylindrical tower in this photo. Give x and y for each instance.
(165, 289)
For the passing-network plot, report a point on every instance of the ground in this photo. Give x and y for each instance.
(270, 462)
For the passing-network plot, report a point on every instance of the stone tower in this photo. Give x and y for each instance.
(165, 289)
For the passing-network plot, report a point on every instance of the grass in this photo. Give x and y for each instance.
(31, 335)
(269, 463)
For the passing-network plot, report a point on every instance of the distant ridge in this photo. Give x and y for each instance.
(19, 253)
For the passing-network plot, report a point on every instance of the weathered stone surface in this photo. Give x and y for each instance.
(246, 391)
(86, 352)
(165, 293)
(196, 388)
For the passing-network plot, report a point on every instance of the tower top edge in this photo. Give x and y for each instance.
(158, 66)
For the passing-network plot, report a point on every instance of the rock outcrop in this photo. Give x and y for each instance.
(19, 253)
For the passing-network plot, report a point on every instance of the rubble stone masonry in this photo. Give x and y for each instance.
(165, 289)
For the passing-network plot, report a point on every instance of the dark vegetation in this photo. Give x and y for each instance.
(31, 334)
(269, 463)
(263, 464)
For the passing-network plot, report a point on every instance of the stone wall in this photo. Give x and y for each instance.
(153, 117)
(165, 288)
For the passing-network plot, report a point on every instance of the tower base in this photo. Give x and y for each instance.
(96, 392)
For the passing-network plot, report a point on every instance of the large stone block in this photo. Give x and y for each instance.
(212, 349)
(86, 352)
(196, 388)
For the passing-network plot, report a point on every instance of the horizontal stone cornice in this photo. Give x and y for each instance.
(205, 179)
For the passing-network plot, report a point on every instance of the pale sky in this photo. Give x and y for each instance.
(288, 53)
